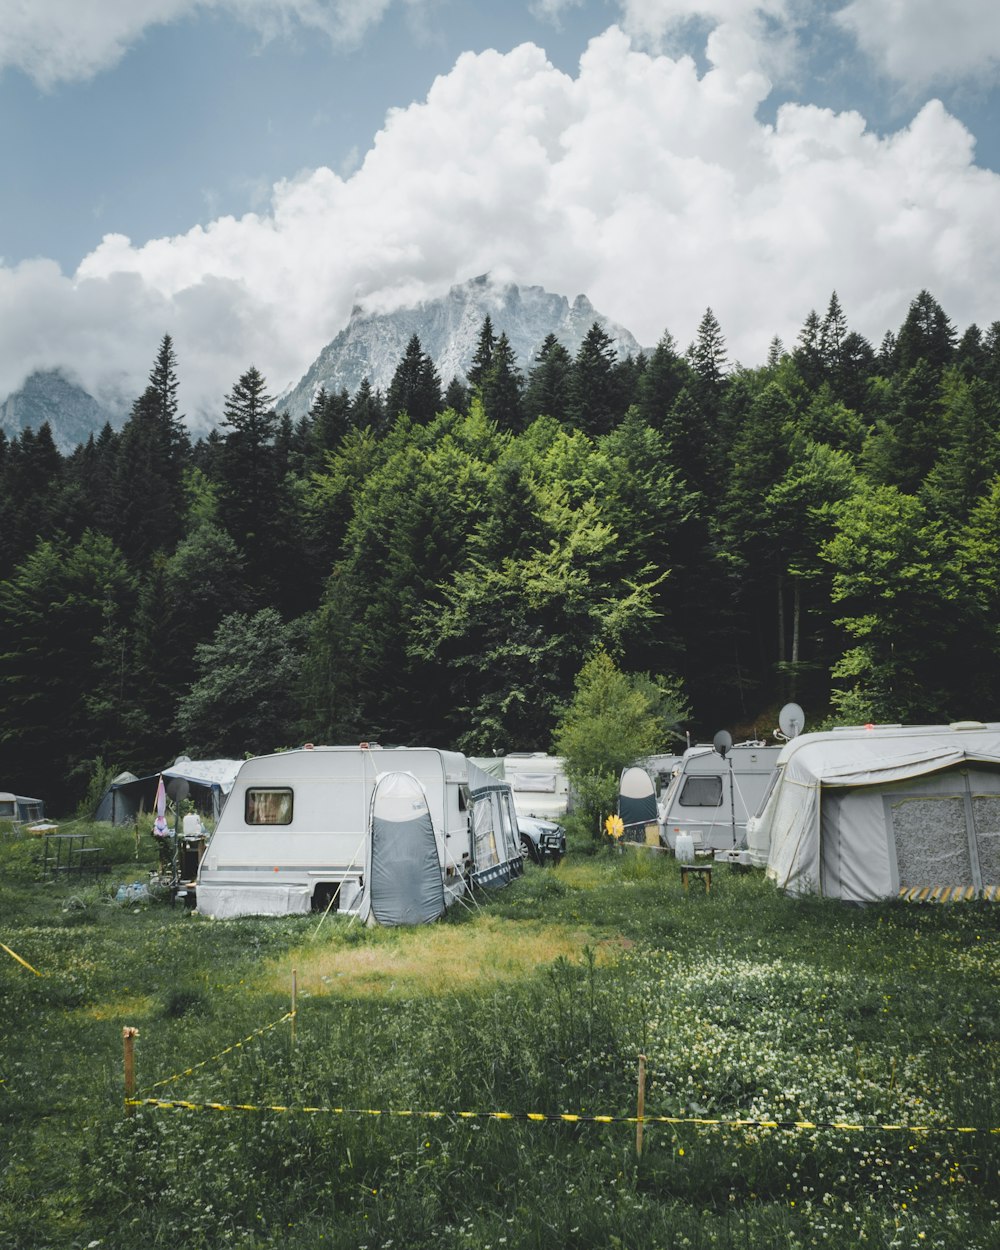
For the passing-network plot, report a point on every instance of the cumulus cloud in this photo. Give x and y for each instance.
(746, 36)
(653, 189)
(925, 42)
(64, 40)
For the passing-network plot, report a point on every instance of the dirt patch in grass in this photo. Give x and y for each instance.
(434, 960)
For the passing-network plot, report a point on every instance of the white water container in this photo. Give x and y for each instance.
(684, 848)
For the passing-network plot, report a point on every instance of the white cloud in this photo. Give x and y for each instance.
(552, 10)
(64, 40)
(923, 42)
(653, 190)
(748, 36)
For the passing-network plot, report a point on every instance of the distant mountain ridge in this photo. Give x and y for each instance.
(372, 344)
(73, 414)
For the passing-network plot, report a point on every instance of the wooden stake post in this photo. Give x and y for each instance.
(640, 1106)
(129, 1035)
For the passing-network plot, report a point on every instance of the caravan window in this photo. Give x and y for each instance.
(702, 792)
(268, 807)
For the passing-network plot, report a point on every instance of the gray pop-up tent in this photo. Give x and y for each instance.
(864, 814)
(404, 878)
(637, 805)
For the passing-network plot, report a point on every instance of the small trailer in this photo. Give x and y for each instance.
(539, 783)
(711, 797)
(18, 809)
(296, 832)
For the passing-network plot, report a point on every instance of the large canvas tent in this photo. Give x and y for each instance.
(863, 814)
(208, 785)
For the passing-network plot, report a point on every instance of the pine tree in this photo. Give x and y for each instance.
(250, 502)
(482, 360)
(368, 409)
(500, 387)
(415, 388)
(593, 402)
(547, 392)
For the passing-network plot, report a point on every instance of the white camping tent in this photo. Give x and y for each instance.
(861, 814)
(403, 881)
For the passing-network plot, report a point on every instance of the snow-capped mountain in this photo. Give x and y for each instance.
(372, 344)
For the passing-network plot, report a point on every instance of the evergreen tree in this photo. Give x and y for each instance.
(707, 357)
(368, 409)
(926, 334)
(250, 497)
(594, 404)
(482, 360)
(456, 397)
(661, 383)
(64, 663)
(500, 387)
(330, 419)
(415, 388)
(547, 392)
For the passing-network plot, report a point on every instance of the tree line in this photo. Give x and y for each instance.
(438, 564)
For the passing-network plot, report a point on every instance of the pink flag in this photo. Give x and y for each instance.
(160, 829)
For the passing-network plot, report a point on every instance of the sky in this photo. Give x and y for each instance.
(240, 173)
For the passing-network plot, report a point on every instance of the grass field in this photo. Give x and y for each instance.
(746, 1004)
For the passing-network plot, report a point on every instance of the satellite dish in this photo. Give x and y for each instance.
(178, 788)
(791, 720)
(722, 741)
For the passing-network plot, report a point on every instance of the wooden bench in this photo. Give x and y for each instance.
(702, 871)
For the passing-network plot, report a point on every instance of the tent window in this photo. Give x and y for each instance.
(7, 809)
(702, 792)
(268, 807)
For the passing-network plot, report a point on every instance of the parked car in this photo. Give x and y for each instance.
(543, 840)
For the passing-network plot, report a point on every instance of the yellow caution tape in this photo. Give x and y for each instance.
(228, 1051)
(946, 893)
(564, 1117)
(15, 955)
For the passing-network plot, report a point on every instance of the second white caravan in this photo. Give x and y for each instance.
(293, 834)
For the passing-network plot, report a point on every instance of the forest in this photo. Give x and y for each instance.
(437, 564)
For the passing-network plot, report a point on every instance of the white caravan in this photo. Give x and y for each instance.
(711, 798)
(295, 830)
(539, 784)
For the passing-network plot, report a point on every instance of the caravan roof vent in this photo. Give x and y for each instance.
(966, 724)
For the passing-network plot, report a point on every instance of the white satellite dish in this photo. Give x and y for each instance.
(722, 741)
(791, 720)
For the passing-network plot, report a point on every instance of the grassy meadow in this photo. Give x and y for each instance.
(539, 999)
